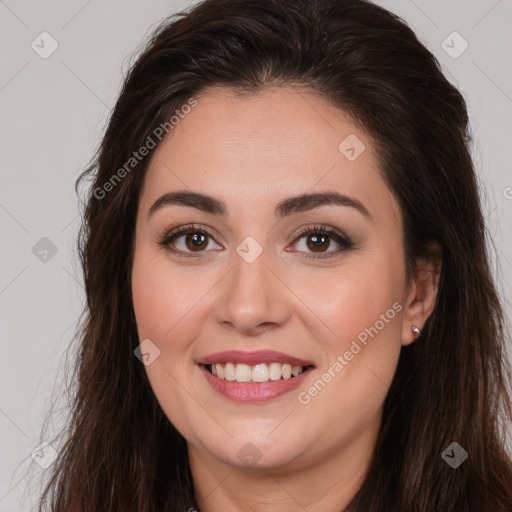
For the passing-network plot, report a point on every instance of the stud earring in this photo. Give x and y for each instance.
(415, 330)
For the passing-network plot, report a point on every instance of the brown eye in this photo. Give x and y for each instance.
(318, 242)
(186, 240)
(318, 239)
(196, 241)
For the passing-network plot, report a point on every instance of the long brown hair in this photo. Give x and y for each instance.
(119, 451)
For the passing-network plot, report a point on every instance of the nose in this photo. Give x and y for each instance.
(254, 297)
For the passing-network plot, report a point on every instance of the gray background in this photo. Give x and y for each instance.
(54, 111)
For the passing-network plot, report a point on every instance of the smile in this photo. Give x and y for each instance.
(254, 376)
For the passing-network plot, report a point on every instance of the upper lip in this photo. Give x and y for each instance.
(253, 358)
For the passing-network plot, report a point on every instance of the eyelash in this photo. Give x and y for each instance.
(343, 241)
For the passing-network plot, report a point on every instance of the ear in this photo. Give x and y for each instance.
(422, 292)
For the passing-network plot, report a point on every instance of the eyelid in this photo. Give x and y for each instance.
(169, 235)
(344, 241)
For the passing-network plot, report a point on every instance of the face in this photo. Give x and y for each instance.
(284, 284)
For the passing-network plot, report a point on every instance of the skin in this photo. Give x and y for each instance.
(253, 151)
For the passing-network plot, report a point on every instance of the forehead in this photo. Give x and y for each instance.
(260, 148)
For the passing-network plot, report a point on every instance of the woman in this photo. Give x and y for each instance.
(289, 302)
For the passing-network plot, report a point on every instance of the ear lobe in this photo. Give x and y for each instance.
(422, 294)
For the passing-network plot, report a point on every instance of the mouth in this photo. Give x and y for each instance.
(254, 376)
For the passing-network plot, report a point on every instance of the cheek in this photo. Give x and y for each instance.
(164, 310)
(361, 308)
(163, 300)
(354, 297)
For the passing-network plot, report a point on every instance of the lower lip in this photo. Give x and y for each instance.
(254, 392)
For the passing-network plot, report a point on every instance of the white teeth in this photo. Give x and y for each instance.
(260, 373)
(229, 371)
(243, 373)
(275, 371)
(257, 373)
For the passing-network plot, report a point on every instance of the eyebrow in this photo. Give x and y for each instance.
(289, 206)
